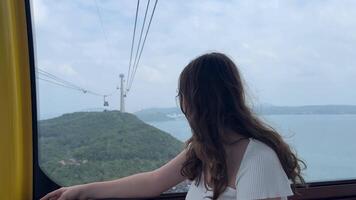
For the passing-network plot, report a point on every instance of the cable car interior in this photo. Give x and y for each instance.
(88, 87)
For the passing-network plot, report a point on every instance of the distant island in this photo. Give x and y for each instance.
(84, 147)
(166, 114)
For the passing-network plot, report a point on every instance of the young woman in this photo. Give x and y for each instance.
(231, 154)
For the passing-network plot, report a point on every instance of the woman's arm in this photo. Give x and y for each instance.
(147, 184)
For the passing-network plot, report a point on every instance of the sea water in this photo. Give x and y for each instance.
(327, 143)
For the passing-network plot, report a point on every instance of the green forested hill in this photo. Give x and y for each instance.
(93, 146)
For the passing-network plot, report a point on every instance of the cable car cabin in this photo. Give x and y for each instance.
(58, 59)
(106, 103)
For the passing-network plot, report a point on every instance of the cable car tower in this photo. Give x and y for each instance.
(122, 94)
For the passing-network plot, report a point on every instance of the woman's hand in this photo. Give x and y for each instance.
(66, 193)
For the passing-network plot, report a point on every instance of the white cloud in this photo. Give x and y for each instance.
(151, 75)
(66, 70)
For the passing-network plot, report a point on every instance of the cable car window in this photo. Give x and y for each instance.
(107, 74)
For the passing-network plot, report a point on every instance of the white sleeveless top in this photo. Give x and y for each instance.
(260, 176)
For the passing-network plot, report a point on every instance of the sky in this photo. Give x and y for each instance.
(289, 52)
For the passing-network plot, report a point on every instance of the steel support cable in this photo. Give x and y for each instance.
(56, 78)
(143, 44)
(59, 84)
(139, 42)
(51, 76)
(106, 39)
(69, 84)
(69, 87)
(102, 25)
(94, 93)
(65, 86)
(133, 38)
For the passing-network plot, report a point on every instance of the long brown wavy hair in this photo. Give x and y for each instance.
(212, 97)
